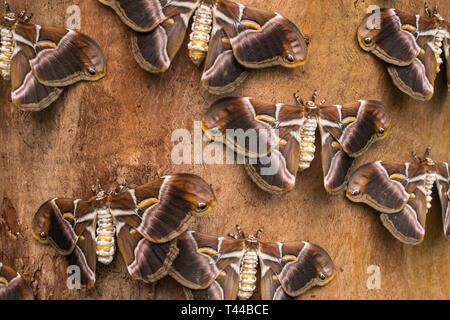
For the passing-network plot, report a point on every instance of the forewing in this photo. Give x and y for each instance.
(347, 131)
(417, 79)
(54, 224)
(442, 184)
(260, 39)
(145, 15)
(203, 260)
(296, 266)
(381, 33)
(27, 93)
(180, 198)
(64, 56)
(145, 260)
(249, 126)
(13, 286)
(154, 50)
(396, 190)
(222, 72)
(276, 172)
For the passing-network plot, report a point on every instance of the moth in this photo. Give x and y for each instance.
(13, 286)
(212, 268)
(229, 38)
(143, 223)
(278, 140)
(402, 193)
(42, 61)
(412, 46)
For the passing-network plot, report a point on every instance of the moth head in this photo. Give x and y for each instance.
(42, 223)
(324, 265)
(356, 185)
(53, 224)
(367, 33)
(192, 191)
(295, 47)
(93, 58)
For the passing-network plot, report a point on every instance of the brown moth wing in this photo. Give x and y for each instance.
(54, 223)
(276, 172)
(13, 286)
(298, 266)
(154, 50)
(85, 258)
(442, 184)
(355, 126)
(84, 254)
(145, 15)
(347, 131)
(145, 260)
(408, 225)
(259, 38)
(336, 164)
(225, 287)
(248, 126)
(63, 56)
(381, 185)
(27, 93)
(222, 72)
(387, 41)
(271, 288)
(202, 258)
(417, 79)
(180, 199)
(397, 191)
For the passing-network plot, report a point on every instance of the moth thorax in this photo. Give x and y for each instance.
(430, 178)
(6, 52)
(247, 278)
(199, 37)
(105, 237)
(307, 146)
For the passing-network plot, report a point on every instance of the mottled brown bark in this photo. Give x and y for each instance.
(118, 129)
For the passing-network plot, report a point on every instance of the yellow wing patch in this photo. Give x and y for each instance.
(251, 24)
(207, 251)
(147, 203)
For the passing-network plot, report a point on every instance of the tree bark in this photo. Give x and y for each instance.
(119, 129)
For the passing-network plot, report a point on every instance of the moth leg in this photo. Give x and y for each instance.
(314, 96)
(28, 17)
(259, 233)
(7, 7)
(416, 157)
(240, 232)
(22, 14)
(232, 235)
(298, 99)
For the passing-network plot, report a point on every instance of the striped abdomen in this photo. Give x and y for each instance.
(430, 178)
(247, 278)
(307, 146)
(6, 52)
(199, 37)
(105, 237)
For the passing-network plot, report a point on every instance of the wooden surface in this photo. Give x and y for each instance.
(120, 127)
